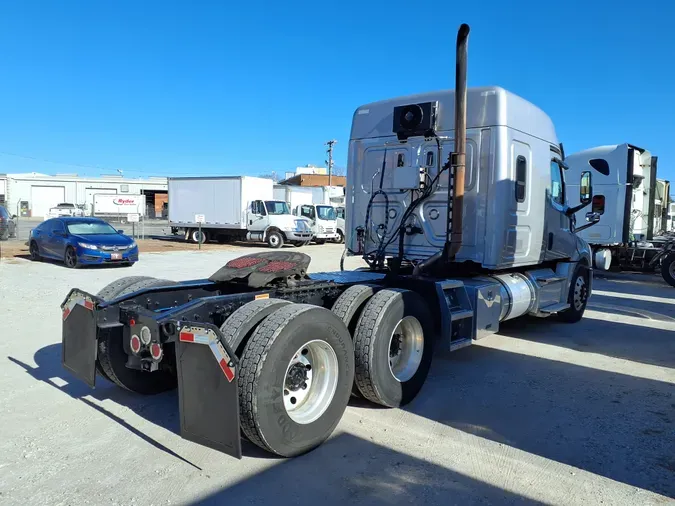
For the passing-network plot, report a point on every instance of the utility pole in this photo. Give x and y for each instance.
(330, 160)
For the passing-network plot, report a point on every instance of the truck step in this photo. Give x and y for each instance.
(554, 308)
(548, 281)
(460, 314)
(460, 343)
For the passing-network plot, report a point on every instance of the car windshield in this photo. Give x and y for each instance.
(326, 212)
(90, 228)
(276, 207)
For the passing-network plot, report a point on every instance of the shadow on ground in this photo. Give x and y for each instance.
(614, 425)
(637, 343)
(350, 470)
(161, 410)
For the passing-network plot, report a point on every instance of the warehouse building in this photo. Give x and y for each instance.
(33, 194)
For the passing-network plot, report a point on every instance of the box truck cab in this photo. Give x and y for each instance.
(271, 221)
(322, 218)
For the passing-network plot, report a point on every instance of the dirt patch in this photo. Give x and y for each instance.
(19, 250)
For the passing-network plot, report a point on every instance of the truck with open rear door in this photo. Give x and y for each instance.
(456, 200)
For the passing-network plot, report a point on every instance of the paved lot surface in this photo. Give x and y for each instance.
(541, 413)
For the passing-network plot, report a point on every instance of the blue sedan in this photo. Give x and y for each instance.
(81, 241)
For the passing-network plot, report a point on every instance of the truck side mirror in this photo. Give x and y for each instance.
(585, 188)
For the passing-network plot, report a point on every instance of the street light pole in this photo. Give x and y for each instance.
(330, 145)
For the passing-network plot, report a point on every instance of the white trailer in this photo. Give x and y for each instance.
(118, 205)
(234, 208)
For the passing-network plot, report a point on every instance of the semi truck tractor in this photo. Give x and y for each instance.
(456, 201)
(632, 203)
(233, 209)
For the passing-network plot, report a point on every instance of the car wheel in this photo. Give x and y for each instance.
(70, 258)
(320, 241)
(34, 252)
(4, 235)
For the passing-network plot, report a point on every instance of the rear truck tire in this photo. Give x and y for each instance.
(34, 252)
(668, 268)
(70, 258)
(275, 239)
(320, 241)
(393, 347)
(295, 379)
(112, 358)
(241, 324)
(578, 296)
(348, 308)
(194, 236)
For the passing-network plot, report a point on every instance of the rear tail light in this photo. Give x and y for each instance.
(156, 351)
(135, 344)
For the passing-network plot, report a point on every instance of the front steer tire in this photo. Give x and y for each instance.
(373, 337)
(262, 378)
(112, 358)
(577, 297)
(668, 268)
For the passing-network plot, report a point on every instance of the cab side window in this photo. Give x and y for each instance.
(257, 207)
(306, 211)
(557, 188)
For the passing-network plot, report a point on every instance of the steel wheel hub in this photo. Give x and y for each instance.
(274, 240)
(580, 293)
(310, 382)
(406, 347)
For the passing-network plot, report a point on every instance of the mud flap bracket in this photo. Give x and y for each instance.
(208, 394)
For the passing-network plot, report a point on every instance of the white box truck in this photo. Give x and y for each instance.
(234, 208)
(312, 203)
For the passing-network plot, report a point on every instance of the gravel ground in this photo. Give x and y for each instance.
(541, 413)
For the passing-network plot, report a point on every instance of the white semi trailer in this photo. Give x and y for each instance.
(630, 200)
(444, 202)
(235, 208)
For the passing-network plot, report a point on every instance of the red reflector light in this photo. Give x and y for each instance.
(187, 337)
(135, 344)
(156, 351)
(132, 322)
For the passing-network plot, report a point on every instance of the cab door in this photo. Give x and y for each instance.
(559, 240)
(257, 216)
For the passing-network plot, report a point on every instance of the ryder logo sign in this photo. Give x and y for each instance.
(124, 202)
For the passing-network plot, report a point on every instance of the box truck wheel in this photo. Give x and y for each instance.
(295, 377)
(112, 358)
(393, 347)
(349, 306)
(195, 236)
(668, 268)
(275, 239)
(578, 296)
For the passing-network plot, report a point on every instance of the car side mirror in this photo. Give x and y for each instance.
(14, 216)
(585, 188)
(120, 231)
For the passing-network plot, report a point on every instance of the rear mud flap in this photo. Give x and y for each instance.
(78, 339)
(208, 395)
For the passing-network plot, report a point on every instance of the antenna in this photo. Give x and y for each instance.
(330, 145)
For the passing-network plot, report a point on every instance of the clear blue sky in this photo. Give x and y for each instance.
(168, 87)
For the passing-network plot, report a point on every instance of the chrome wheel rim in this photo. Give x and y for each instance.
(310, 381)
(579, 293)
(406, 347)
